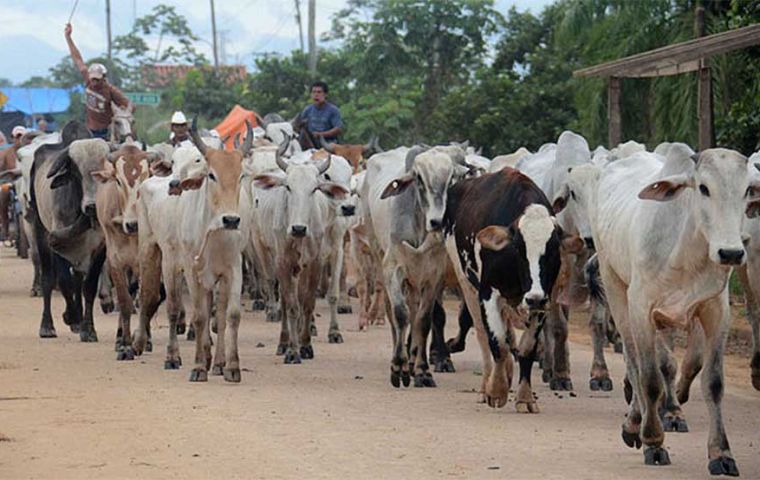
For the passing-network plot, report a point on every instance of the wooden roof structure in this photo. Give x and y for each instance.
(676, 58)
(690, 56)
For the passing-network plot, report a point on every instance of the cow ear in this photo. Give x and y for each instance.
(193, 183)
(161, 168)
(560, 200)
(397, 186)
(265, 182)
(60, 180)
(333, 190)
(666, 189)
(572, 244)
(102, 176)
(494, 237)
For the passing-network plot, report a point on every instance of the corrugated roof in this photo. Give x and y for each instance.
(157, 76)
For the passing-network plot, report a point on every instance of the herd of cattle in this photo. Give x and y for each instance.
(652, 236)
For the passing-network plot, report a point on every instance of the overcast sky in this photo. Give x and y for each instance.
(32, 31)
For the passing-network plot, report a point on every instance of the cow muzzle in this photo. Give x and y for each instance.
(130, 228)
(90, 210)
(298, 231)
(231, 222)
(436, 224)
(348, 210)
(589, 241)
(731, 256)
(536, 301)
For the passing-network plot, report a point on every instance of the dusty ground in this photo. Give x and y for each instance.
(69, 410)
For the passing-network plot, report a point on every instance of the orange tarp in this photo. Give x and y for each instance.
(235, 123)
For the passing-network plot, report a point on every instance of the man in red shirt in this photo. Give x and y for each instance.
(98, 92)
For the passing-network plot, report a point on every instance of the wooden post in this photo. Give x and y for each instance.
(704, 91)
(213, 34)
(108, 28)
(614, 128)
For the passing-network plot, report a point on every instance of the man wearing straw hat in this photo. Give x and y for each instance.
(98, 92)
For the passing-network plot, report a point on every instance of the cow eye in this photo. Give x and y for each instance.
(572, 194)
(211, 176)
(327, 177)
(287, 188)
(750, 192)
(704, 191)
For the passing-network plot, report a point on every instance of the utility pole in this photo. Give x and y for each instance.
(108, 27)
(134, 11)
(298, 21)
(223, 46)
(312, 38)
(213, 33)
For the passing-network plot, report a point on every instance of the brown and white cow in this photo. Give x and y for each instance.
(116, 202)
(355, 154)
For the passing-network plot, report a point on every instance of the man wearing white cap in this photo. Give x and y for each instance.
(98, 92)
(179, 129)
(8, 160)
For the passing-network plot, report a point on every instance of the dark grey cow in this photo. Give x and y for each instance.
(69, 240)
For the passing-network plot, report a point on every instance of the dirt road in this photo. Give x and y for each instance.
(69, 410)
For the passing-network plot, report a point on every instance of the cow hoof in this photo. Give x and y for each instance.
(35, 292)
(755, 364)
(48, 332)
(334, 337)
(723, 466)
(396, 379)
(307, 352)
(198, 375)
(406, 379)
(88, 336)
(149, 346)
(181, 328)
(444, 366)
(527, 407)
(232, 375)
(424, 380)
(217, 370)
(618, 348)
(173, 364)
(191, 334)
(74, 328)
(313, 329)
(281, 348)
(604, 384)
(633, 440)
(674, 424)
(656, 456)
(455, 345)
(546, 376)
(126, 353)
(593, 385)
(272, 316)
(292, 358)
(344, 309)
(258, 305)
(107, 307)
(561, 384)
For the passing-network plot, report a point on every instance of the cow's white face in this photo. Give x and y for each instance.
(301, 184)
(433, 172)
(572, 202)
(719, 185)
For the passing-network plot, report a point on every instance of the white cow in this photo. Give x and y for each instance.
(189, 222)
(668, 231)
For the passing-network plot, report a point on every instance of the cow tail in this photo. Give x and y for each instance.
(594, 281)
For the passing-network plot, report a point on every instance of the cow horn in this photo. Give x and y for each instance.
(196, 138)
(154, 157)
(279, 153)
(236, 141)
(330, 147)
(144, 147)
(376, 144)
(109, 157)
(324, 165)
(260, 121)
(248, 142)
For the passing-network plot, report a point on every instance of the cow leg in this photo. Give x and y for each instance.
(344, 304)
(201, 309)
(377, 299)
(70, 286)
(47, 269)
(400, 316)
(333, 294)
(752, 297)
(600, 375)
(291, 311)
(692, 362)
(420, 332)
(274, 312)
(104, 290)
(457, 343)
(525, 401)
(365, 299)
(124, 340)
(232, 359)
(90, 290)
(715, 317)
(222, 297)
(561, 370)
(439, 349)
(150, 286)
(36, 290)
(307, 300)
(672, 416)
(175, 312)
